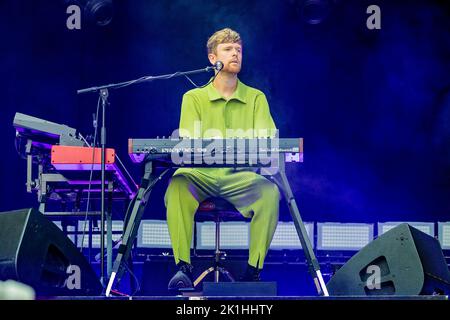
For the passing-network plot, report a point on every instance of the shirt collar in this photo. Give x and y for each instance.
(239, 94)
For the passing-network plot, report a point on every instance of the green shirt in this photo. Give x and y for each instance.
(206, 114)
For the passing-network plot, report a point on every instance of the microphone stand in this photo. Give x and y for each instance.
(104, 93)
(104, 96)
(144, 79)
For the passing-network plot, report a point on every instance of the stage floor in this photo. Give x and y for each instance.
(244, 298)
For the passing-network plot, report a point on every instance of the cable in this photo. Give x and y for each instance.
(210, 80)
(85, 141)
(126, 219)
(147, 78)
(118, 293)
(165, 77)
(142, 79)
(125, 169)
(90, 176)
(138, 286)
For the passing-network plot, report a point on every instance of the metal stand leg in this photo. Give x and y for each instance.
(217, 252)
(109, 230)
(313, 265)
(148, 181)
(221, 270)
(217, 269)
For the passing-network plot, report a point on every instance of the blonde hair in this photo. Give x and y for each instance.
(226, 35)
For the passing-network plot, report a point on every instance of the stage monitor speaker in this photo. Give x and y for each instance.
(402, 261)
(36, 252)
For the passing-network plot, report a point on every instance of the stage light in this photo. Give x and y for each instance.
(343, 236)
(444, 234)
(286, 237)
(315, 11)
(427, 227)
(233, 235)
(95, 12)
(99, 12)
(117, 228)
(154, 234)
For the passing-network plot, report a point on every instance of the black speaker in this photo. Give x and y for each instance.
(36, 252)
(402, 261)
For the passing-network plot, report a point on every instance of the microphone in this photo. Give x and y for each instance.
(218, 65)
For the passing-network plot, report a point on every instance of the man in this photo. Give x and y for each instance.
(225, 107)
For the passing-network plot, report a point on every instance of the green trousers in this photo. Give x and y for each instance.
(252, 194)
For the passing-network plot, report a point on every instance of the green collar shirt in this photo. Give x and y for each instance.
(205, 113)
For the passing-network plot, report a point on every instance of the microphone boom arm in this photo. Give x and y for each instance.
(146, 79)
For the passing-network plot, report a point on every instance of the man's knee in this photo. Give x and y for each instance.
(177, 185)
(268, 202)
(270, 192)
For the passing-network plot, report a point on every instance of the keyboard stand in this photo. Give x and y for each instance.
(281, 180)
(151, 178)
(131, 227)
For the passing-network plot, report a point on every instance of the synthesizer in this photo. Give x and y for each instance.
(216, 152)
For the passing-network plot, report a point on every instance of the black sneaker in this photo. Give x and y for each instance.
(183, 278)
(251, 274)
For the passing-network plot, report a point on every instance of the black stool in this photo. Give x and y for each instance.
(216, 209)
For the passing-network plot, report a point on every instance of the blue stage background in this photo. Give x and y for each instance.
(372, 105)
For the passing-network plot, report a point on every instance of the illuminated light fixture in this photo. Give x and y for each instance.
(58, 224)
(117, 229)
(343, 236)
(286, 236)
(154, 234)
(444, 234)
(426, 227)
(233, 235)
